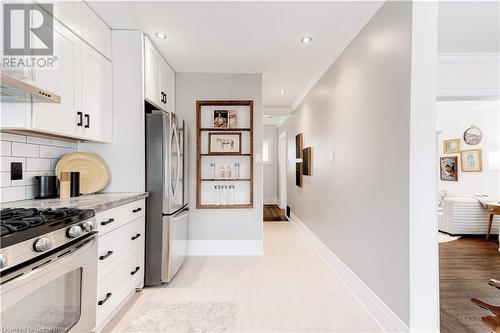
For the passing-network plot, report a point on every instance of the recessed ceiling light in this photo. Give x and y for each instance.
(161, 35)
(306, 39)
(282, 91)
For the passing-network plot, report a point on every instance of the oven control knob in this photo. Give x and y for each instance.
(3, 260)
(42, 244)
(74, 231)
(88, 226)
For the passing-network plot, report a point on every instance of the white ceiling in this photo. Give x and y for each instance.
(469, 26)
(246, 37)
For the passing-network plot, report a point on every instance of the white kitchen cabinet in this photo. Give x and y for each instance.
(95, 31)
(96, 96)
(159, 79)
(152, 70)
(65, 79)
(120, 258)
(68, 12)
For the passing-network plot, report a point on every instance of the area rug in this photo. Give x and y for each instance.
(445, 238)
(184, 317)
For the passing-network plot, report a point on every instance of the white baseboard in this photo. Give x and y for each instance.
(271, 200)
(225, 247)
(378, 310)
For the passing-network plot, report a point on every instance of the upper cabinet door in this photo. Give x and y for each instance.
(95, 32)
(96, 96)
(65, 80)
(168, 86)
(152, 70)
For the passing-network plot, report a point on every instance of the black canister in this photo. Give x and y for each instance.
(75, 184)
(45, 187)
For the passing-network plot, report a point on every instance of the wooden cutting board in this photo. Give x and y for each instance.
(94, 171)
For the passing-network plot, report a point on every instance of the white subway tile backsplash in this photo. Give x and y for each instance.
(38, 141)
(25, 150)
(30, 192)
(66, 144)
(6, 148)
(50, 152)
(37, 164)
(39, 156)
(27, 179)
(12, 137)
(12, 193)
(5, 164)
(4, 179)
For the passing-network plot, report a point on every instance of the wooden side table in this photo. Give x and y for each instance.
(493, 209)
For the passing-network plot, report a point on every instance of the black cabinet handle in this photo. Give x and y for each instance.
(135, 271)
(165, 99)
(136, 210)
(136, 236)
(111, 220)
(87, 119)
(106, 255)
(108, 295)
(80, 119)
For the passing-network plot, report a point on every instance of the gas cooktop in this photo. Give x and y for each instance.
(20, 224)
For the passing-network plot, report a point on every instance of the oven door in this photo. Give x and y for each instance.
(55, 294)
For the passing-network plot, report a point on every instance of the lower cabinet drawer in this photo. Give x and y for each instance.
(114, 244)
(114, 288)
(114, 218)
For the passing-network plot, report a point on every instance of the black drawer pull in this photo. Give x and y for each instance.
(136, 236)
(87, 118)
(106, 255)
(111, 220)
(108, 295)
(80, 118)
(136, 210)
(135, 271)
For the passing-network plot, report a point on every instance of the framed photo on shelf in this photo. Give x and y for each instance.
(221, 118)
(233, 119)
(472, 160)
(449, 168)
(224, 143)
(451, 146)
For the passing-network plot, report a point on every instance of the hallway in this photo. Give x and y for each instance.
(287, 289)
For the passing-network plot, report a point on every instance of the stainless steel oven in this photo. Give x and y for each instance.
(55, 292)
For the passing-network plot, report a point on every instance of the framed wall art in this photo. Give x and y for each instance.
(451, 146)
(224, 143)
(473, 135)
(298, 145)
(307, 161)
(472, 160)
(448, 168)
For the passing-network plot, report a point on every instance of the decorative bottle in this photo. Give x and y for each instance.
(230, 200)
(212, 170)
(236, 170)
(217, 194)
(228, 172)
(222, 172)
(223, 198)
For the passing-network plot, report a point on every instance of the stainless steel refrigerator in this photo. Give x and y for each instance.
(167, 209)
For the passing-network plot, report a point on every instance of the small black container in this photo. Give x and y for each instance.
(45, 187)
(75, 184)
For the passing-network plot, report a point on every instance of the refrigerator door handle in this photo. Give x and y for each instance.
(178, 172)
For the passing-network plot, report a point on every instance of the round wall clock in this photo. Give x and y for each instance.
(473, 135)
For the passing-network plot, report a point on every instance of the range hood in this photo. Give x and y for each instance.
(18, 91)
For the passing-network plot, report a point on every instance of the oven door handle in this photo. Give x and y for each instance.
(24, 273)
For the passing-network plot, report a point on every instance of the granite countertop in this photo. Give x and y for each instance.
(97, 202)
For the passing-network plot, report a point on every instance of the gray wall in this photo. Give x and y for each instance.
(221, 224)
(358, 204)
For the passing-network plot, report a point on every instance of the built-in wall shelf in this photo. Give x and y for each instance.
(226, 129)
(225, 180)
(224, 154)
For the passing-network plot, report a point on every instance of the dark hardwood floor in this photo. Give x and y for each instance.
(273, 213)
(465, 266)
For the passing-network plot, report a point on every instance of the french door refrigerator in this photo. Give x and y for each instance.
(167, 213)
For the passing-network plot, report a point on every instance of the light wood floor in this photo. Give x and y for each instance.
(289, 289)
(465, 266)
